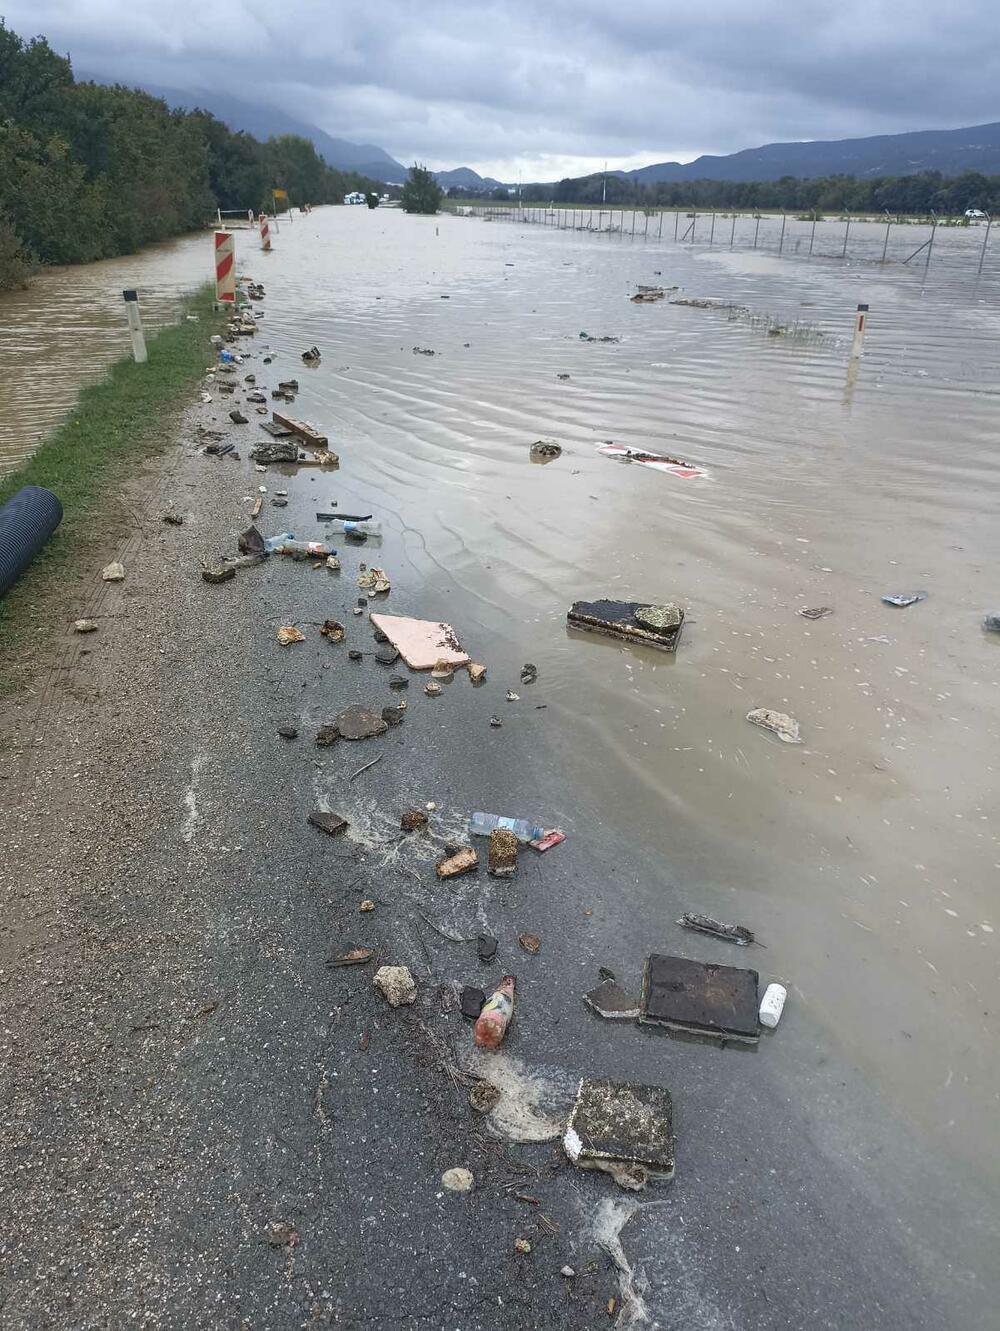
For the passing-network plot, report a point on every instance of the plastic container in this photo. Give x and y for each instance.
(366, 528)
(482, 824)
(271, 543)
(493, 1020)
(771, 1005)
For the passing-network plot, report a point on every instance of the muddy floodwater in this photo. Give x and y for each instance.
(67, 328)
(867, 857)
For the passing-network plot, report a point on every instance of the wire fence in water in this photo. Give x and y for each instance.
(896, 240)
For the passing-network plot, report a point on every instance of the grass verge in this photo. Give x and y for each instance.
(116, 426)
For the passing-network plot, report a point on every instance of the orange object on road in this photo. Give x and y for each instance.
(493, 1020)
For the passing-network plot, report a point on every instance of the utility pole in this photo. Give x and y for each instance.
(604, 191)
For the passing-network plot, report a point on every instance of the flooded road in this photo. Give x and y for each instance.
(865, 859)
(868, 858)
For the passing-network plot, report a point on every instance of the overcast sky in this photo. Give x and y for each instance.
(545, 88)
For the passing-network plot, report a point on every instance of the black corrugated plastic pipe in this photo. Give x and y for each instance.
(27, 520)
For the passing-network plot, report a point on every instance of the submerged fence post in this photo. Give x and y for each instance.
(860, 320)
(677, 218)
(732, 232)
(781, 238)
(633, 224)
(812, 235)
(755, 230)
(885, 243)
(982, 252)
(694, 223)
(646, 229)
(659, 233)
(135, 327)
(930, 243)
(847, 232)
(711, 234)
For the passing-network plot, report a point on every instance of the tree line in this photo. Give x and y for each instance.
(88, 171)
(919, 194)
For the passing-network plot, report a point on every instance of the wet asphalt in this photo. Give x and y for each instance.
(206, 1125)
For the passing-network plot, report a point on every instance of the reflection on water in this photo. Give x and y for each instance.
(866, 857)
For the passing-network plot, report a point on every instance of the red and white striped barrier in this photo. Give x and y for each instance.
(225, 268)
(265, 233)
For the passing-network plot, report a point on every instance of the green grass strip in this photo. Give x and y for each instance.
(116, 426)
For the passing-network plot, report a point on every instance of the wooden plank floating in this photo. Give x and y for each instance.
(303, 429)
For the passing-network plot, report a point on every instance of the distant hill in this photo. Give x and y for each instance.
(950, 151)
(265, 122)
(463, 177)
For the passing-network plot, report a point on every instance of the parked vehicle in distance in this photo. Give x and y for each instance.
(975, 214)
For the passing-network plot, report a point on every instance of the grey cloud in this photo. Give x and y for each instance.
(454, 83)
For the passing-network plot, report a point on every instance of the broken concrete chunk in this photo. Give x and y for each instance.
(413, 820)
(333, 630)
(398, 682)
(237, 417)
(84, 626)
(620, 619)
(503, 853)
(374, 580)
(700, 998)
(327, 735)
(609, 1000)
(785, 727)
(660, 617)
(395, 984)
(477, 672)
(221, 573)
(386, 655)
(545, 450)
(288, 731)
(432, 690)
(463, 861)
(174, 519)
(623, 1128)
(530, 942)
(394, 716)
(113, 573)
(331, 823)
(421, 642)
(359, 723)
(458, 1180)
(272, 451)
(288, 633)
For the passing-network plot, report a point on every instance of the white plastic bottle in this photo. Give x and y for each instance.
(482, 824)
(366, 528)
(772, 1004)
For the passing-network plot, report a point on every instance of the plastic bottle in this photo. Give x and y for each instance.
(367, 528)
(771, 1004)
(271, 543)
(493, 1020)
(482, 824)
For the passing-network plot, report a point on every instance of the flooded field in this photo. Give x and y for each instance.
(867, 857)
(69, 325)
